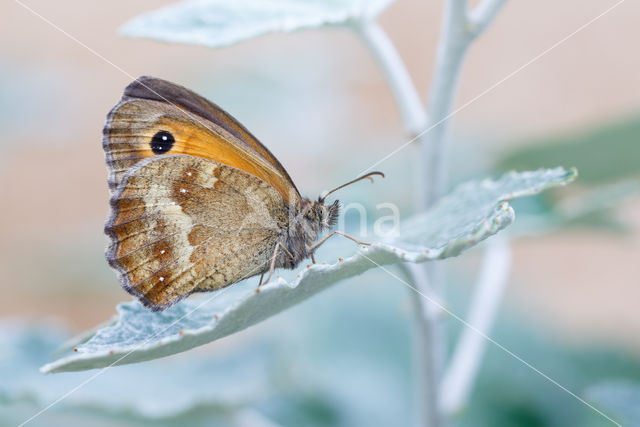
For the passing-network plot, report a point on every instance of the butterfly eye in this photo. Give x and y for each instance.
(324, 212)
(162, 142)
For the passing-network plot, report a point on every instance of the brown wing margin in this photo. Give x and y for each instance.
(155, 89)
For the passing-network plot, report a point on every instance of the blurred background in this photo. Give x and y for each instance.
(319, 102)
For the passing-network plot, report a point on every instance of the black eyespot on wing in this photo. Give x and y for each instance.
(162, 142)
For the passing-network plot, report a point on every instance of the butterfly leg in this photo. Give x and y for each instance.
(261, 277)
(313, 259)
(286, 251)
(324, 239)
(272, 266)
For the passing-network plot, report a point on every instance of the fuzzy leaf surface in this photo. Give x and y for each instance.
(218, 23)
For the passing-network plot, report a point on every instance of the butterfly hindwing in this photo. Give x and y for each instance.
(181, 224)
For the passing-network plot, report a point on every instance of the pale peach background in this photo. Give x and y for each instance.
(585, 285)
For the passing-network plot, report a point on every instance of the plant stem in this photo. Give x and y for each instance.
(413, 114)
(430, 175)
(428, 356)
(453, 44)
(482, 16)
(463, 368)
(457, 34)
(459, 29)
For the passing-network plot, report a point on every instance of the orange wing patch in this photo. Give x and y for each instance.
(155, 89)
(156, 117)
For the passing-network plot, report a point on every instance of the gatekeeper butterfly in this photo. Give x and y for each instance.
(197, 202)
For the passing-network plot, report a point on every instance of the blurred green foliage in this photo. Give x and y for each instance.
(603, 154)
(608, 160)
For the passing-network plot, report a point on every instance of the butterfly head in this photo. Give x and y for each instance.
(325, 215)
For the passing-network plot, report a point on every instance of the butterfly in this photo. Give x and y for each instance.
(197, 202)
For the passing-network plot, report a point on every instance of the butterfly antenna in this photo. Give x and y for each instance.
(367, 176)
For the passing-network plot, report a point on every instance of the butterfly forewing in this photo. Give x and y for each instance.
(181, 224)
(156, 117)
(155, 89)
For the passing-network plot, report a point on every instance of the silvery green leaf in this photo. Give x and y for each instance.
(216, 23)
(471, 213)
(241, 373)
(463, 218)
